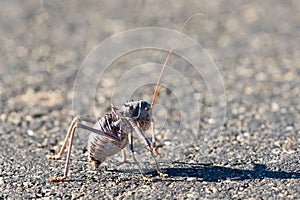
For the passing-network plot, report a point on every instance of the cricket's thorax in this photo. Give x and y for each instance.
(117, 124)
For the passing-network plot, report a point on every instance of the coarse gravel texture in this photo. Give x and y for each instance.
(255, 45)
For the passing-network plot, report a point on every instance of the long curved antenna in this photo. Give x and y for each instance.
(157, 88)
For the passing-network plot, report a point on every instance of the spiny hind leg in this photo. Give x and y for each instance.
(70, 134)
(73, 123)
(62, 149)
(53, 179)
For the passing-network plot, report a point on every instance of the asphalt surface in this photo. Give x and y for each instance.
(255, 47)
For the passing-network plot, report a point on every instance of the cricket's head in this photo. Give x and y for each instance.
(140, 111)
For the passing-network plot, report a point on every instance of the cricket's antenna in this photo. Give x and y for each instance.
(157, 88)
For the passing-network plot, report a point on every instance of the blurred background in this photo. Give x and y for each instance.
(255, 46)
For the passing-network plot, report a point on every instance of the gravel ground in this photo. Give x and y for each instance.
(255, 46)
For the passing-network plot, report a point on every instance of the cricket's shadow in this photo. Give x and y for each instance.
(211, 173)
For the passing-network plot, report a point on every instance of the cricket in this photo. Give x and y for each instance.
(112, 132)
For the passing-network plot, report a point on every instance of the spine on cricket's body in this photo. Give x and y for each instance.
(99, 146)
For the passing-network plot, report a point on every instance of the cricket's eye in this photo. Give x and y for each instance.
(147, 108)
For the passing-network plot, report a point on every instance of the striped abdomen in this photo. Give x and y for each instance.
(101, 146)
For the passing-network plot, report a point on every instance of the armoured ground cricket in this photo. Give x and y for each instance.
(110, 133)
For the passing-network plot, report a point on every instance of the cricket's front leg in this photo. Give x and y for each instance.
(130, 141)
(153, 144)
(149, 146)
